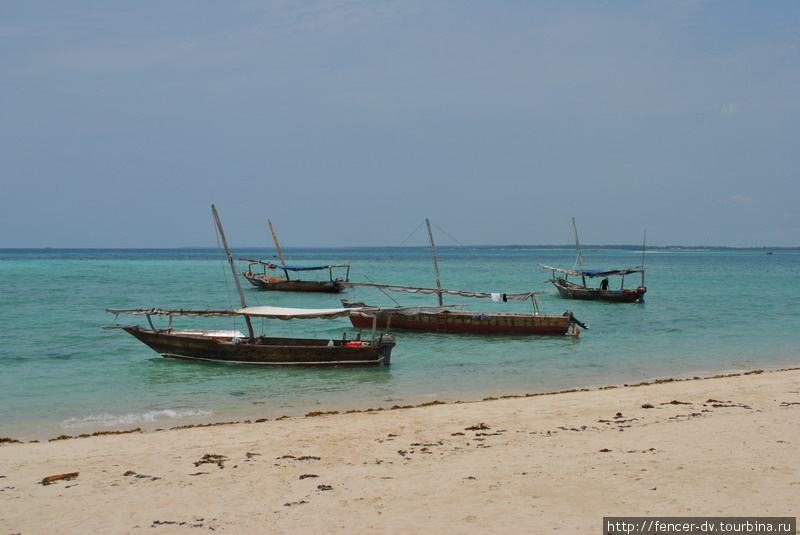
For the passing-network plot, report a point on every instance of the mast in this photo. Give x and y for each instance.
(435, 262)
(644, 242)
(278, 245)
(578, 246)
(233, 268)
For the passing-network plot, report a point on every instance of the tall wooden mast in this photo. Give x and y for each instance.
(278, 245)
(233, 268)
(435, 262)
(578, 246)
(644, 242)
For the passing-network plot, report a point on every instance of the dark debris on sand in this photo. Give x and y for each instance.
(212, 458)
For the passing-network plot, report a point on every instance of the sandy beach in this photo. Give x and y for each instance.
(723, 446)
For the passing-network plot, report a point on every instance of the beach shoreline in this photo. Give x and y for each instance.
(721, 446)
(258, 412)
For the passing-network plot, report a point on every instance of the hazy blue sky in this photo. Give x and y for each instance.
(349, 122)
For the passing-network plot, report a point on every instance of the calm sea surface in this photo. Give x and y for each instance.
(705, 312)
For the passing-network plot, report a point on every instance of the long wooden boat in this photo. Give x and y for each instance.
(265, 281)
(448, 319)
(570, 290)
(268, 281)
(234, 347)
(573, 290)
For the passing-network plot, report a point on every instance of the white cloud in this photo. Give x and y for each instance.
(730, 109)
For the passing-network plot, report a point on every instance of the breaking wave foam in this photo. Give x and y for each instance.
(109, 420)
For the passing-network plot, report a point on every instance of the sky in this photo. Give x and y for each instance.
(347, 123)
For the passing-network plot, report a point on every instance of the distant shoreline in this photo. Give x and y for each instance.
(586, 247)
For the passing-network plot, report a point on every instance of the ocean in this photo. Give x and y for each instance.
(705, 312)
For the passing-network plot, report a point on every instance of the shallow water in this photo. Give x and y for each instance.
(705, 312)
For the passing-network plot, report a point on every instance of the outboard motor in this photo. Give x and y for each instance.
(386, 343)
(575, 320)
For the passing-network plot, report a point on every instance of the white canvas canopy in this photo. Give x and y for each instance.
(271, 312)
(283, 313)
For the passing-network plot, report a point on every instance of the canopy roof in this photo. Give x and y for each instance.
(270, 312)
(462, 293)
(293, 268)
(594, 272)
(280, 313)
(283, 313)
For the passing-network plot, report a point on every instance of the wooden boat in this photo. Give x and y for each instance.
(285, 284)
(266, 281)
(572, 290)
(234, 347)
(448, 319)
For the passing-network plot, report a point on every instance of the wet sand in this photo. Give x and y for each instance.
(724, 446)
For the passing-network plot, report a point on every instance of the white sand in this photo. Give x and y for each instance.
(555, 462)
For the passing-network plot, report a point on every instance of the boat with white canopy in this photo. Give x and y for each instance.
(235, 347)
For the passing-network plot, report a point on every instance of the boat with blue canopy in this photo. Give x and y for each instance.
(603, 291)
(261, 274)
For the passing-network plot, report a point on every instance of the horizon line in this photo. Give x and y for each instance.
(484, 246)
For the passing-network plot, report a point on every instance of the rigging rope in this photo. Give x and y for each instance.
(412, 233)
(224, 272)
(448, 235)
(498, 269)
(384, 293)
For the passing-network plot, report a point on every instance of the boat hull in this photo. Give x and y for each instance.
(574, 291)
(468, 322)
(282, 285)
(265, 351)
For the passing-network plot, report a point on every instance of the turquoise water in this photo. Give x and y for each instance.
(705, 312)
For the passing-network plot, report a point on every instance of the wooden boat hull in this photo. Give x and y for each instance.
(468, 322)
(575, 291)
(266, 351)
(282, 285)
